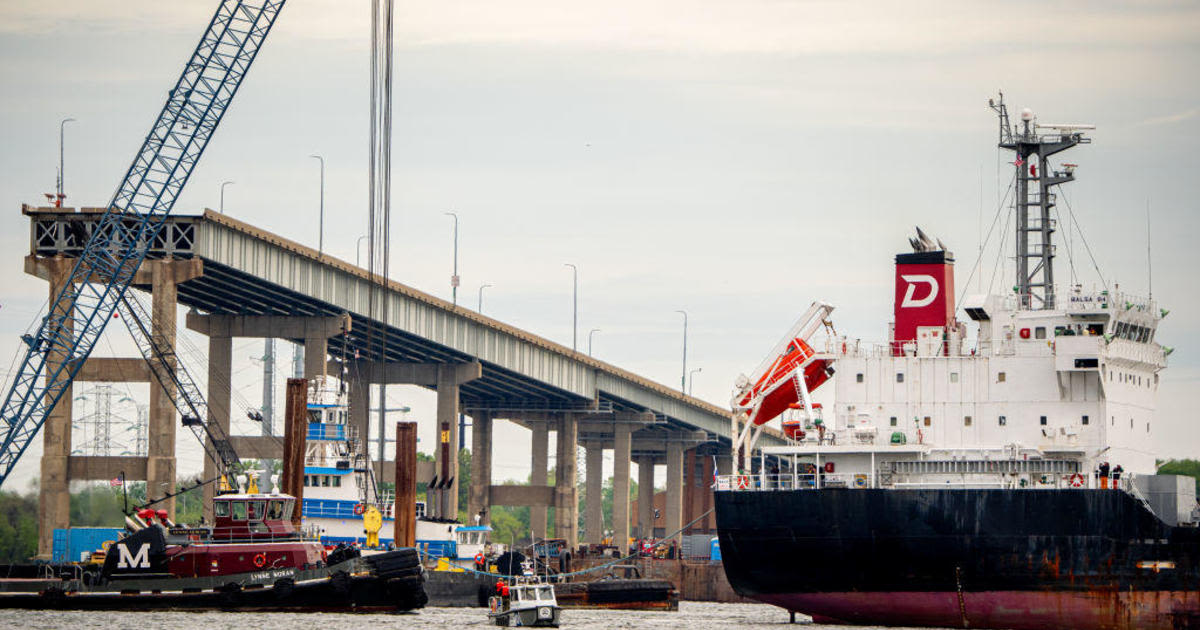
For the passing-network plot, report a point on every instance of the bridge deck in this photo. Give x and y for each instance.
(250, 271)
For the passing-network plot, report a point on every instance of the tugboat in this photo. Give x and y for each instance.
(252, 558)
(341, 494)
(529, 602)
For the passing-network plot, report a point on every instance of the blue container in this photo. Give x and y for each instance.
(714, 554)
(70, 544)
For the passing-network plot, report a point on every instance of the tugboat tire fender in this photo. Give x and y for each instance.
(340, 582)
(284, 587)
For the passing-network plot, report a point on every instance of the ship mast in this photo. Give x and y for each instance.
(1034, 199)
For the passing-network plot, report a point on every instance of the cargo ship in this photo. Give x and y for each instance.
(1004, 479)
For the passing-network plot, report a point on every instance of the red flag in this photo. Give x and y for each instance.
(1020, 161)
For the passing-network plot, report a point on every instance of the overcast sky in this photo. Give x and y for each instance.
(734, 159)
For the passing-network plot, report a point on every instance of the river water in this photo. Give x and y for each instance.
(691, 615)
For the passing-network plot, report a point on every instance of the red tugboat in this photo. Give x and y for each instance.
(252, 558)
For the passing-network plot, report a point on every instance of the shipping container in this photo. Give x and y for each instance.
(73, 544)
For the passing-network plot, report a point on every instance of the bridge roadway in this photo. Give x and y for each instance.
(254, 283)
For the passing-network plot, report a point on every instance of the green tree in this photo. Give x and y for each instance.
(18, 527)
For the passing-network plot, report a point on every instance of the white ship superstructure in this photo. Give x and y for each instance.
(1052, 385)
(338, 481)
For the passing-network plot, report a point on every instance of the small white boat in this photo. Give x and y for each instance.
(530, 603)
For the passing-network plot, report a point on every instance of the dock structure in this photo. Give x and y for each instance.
(242, 281)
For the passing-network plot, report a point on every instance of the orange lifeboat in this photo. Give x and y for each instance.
(777, 388)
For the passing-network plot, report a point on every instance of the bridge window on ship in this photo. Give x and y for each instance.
(221, 508)
(257, 510)
(1039, 332)
(239, 510)
(275, 511)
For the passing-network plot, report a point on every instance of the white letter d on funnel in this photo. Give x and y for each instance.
(912, 281)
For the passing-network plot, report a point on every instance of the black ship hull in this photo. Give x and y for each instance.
(1035, 559)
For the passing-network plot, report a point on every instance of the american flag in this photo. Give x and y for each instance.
(115, 482)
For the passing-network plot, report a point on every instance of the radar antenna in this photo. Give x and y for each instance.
(1035, 228)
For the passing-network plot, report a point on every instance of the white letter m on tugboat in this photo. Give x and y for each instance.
(126, 560)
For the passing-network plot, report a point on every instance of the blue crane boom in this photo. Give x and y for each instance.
(104, 270)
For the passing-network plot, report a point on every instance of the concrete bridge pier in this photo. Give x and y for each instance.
(674, 505)
(593, 519)
(538, 476)
(446, 378)
(157, 466)
(220, 330)
(621, 463)
(478, 495)
(645, 523)
(566, 501)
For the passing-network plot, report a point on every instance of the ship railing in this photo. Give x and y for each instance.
(239, 534)
(798, 481)
(843, 347)
(1127, 484)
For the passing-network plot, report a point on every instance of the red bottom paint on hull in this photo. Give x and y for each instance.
(1015, 610)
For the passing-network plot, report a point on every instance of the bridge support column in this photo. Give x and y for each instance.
(566, 501)
(593, 527)
(446, 378)
(221, 329)
(220, 371)
(620, 509)
(164, 279)
(691, 496)
(54, 497)
(645, 496)
(481, 468)
(705, 489)
(316, 357)
(674, 504)
(538, 475)
(446, 454)
(358, 396)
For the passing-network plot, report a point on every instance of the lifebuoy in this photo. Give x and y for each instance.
(743, 482)
(829, 467)
(1077, 480)
(260, 560)
(479, 559)
(359, 509)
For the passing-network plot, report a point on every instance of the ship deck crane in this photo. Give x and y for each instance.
(788, 375)
(104, 271)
